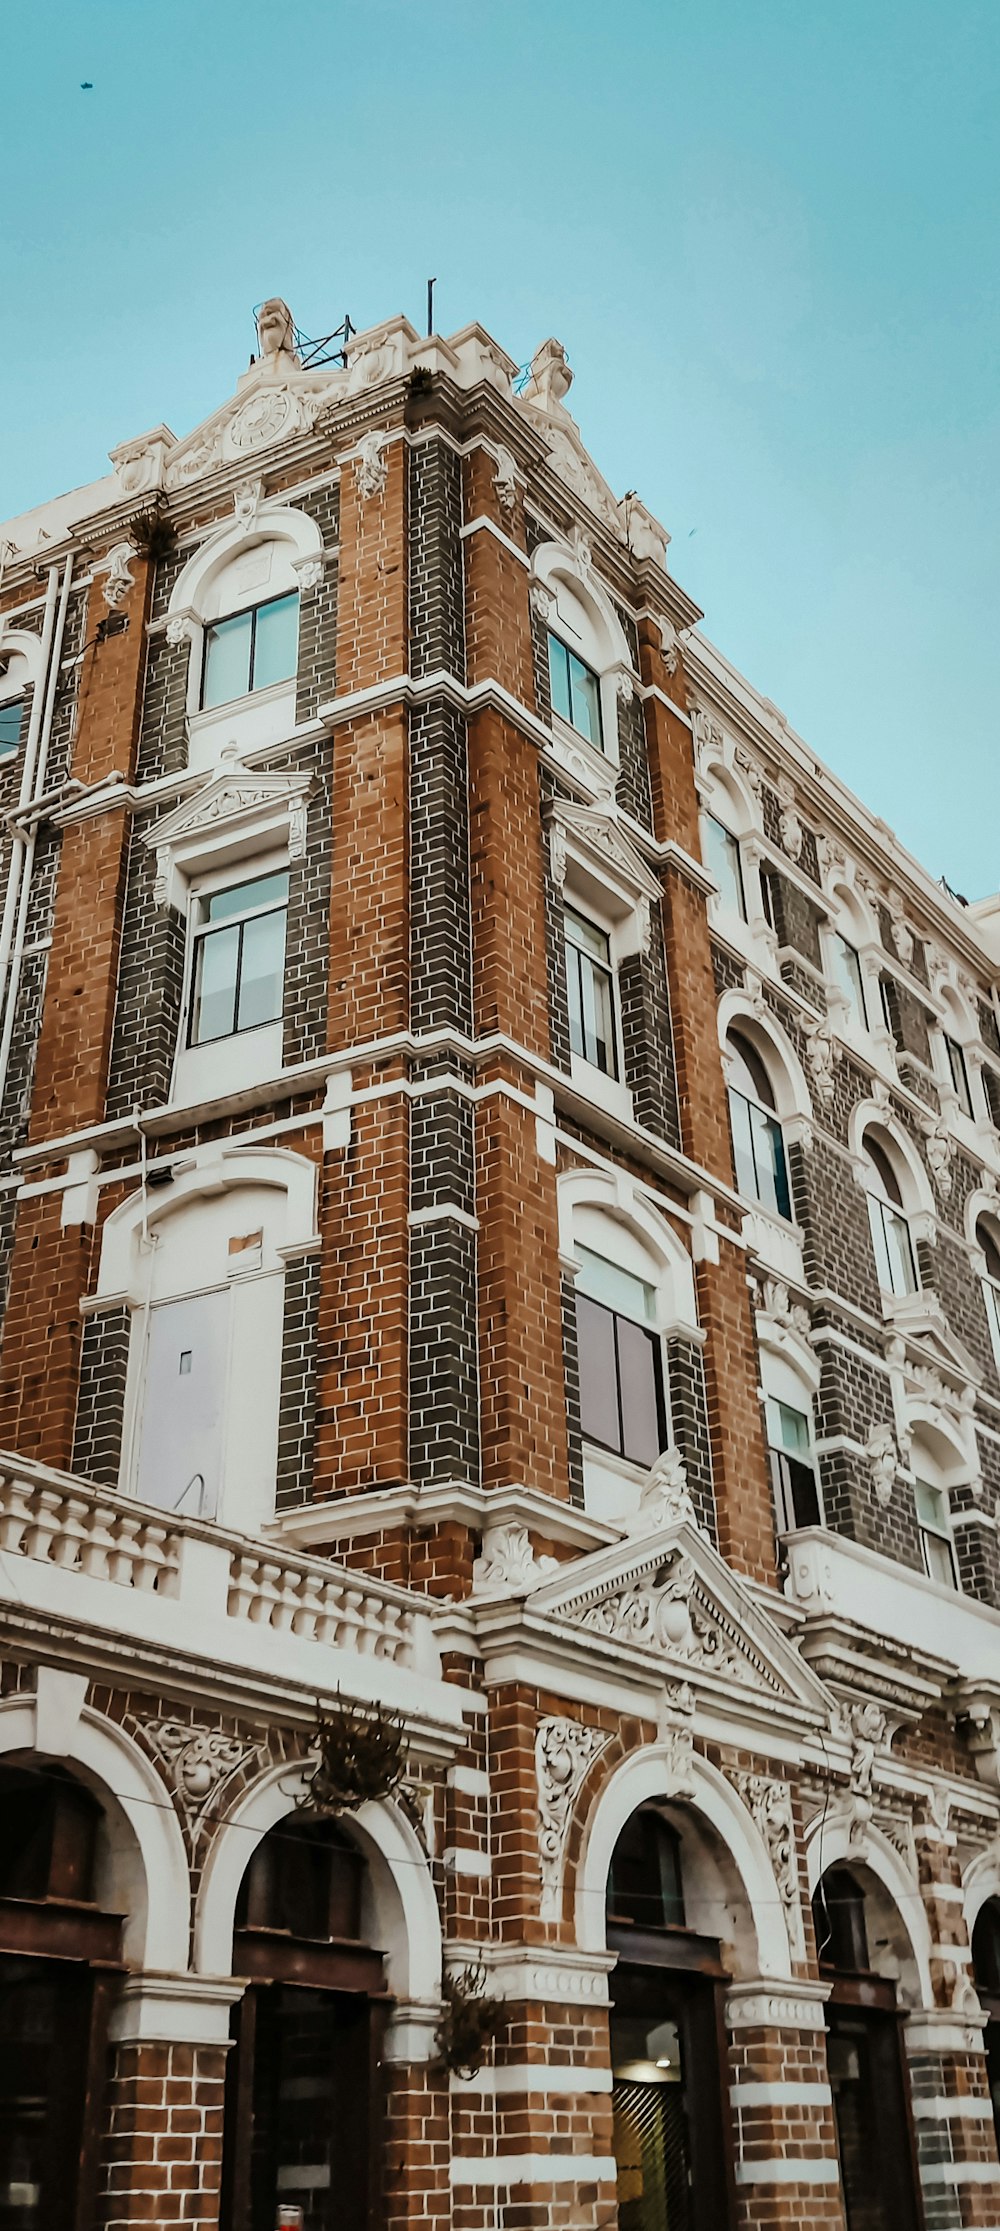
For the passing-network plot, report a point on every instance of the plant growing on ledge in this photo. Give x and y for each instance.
(361, 1756)
(153, 535)
(469, 2020)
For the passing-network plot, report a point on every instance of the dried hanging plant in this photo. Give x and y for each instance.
(469, 2021)
(153, 534)
(361, 1756)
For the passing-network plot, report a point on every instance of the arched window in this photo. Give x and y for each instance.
(622, 1381)
(930, 1490)
(724, 860)
(574, 683)
(301, 2085)
(789, 1427)
(895, 1261)
(251, 640)
(839, 1921)
(15, 676)
(988, 1238)
(758, 1145)
(644, 1883)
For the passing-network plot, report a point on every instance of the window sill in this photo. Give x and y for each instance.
(776, 1241)
(612, 1485)
(227, 1065)
(595, 768)
(251, 723)
(607, 1092)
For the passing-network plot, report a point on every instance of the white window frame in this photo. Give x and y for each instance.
(204, 887)
(220, 1065)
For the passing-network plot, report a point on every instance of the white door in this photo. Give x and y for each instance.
(180, 1428)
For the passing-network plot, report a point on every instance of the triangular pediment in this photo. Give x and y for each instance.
(598, 837)
(669, 1599)
(930, 1344)
(231, 796)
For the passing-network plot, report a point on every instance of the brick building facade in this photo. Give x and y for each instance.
(500, 1223)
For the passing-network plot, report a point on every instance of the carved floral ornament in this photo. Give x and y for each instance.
(883, 1459)
(505, 479)
(198, 1759)
(372, 465)
(790, 828)
(119, 579)
(822, 1055)
(564, 1753)
(863, 1728)
(770, 1804)
(231, 801)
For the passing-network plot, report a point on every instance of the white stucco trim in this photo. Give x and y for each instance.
(828, 1844)
(144, 1829)
(210, 1172)
(636, 1782)
(407, 1920)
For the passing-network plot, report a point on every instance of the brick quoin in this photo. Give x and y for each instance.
(497, 613)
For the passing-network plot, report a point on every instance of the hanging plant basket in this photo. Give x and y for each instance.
(361, 1756)
(469, 2021)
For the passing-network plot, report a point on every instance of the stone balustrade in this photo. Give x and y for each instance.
(224, 1586)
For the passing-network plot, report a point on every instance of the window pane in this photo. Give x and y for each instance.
(847, 969)
(743, 1154)
(618, 1289)
(722, 858)
(227, 660)
(900, 1252)
(244, 898)
(595, 1329)
(769, 1156)
(787, 1428)
(585, 697)
(586, 934)
(559, 678)
(276, 642)
(883, 1266)
(214, 1009)
(932, 1508)
(959, 1075)
(639, 1383)
(262, 970)
(10, 724)
(598, 1015)
(574, 998)
(991, 1296)
(939, 1559)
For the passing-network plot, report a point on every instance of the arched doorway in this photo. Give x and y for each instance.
(986, 1975)
(60, 1959)
(303, 2082)
(671, 2123)
(858, 1934)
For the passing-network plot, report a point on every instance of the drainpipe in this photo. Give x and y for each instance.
(32, 788)
(27, 775)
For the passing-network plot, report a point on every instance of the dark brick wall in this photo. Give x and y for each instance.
(100, 1410)
(555, 942)
(440, 922)
(443, 1321)
(297, 1404)
(317, 666)
(647, 1038)
(307, 948)
(571, 1369)
(436, 572)
(632, 789)
(689, 1419)
(150, 989)
(162, 747)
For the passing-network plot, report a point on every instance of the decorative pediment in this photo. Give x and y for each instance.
(234, 809)
(595, 837)
(668, 1599)
(922, 1343)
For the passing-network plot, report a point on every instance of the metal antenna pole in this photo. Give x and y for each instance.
(431, 284)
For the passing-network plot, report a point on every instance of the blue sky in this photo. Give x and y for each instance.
(766, 231)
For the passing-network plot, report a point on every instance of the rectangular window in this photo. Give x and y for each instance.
(959, 1074)
(793, 1467)
(622, 1401)
(250, 650)
(890, 1007)
(575, 691)
(897, 1271)
(238, 977)
(936, 1543)
(11, 716)
(759, 1155)
(723, 861)
(847, 971)
(991, 1296)
(590, 993)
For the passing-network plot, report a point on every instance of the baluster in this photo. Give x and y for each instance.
(15, 1515)
(71, 1532)
(168, 1579)
(267, 1595)
(149, 1556)
(98, 1545)
(46, 1505)
(123, 1558)
(330, 1604)
(387, 1633)
(349, 1621)
(242, 1572)
(406, 1651)
(285, 1597)
(309, 1605)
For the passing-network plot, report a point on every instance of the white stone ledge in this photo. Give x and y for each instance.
(533, 2169)
(814, 2170)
